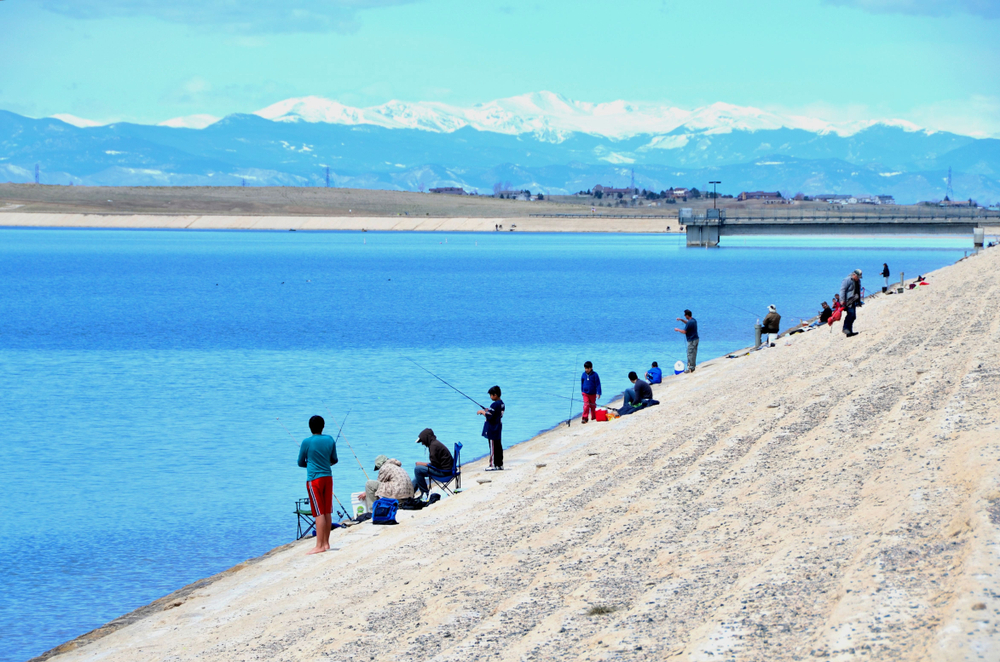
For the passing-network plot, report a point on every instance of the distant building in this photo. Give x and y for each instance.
(832, 198)
(613, 192)
(760, 195)
(449, 190)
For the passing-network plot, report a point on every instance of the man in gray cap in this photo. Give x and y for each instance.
(393, 482)
(850, 295)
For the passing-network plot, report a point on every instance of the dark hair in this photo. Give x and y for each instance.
(316, 424)
(688, 313)
(588, 364)
(494, 390)
(654, 365)
(633, 376)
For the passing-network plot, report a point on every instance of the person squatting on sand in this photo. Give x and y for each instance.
(590, 389)
(440, 465)
(493, 428)
(654, 375)
(772, 321)
(393, 482)
(690, 332)
(850, 295)
(317, 454)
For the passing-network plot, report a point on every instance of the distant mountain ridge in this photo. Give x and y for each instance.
(550, 116)
(542, 142)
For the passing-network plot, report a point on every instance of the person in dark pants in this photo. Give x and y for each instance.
(493, 428)
(690, 332)
(640, 391)
(440, 466)
(885, 275)
(850, 295)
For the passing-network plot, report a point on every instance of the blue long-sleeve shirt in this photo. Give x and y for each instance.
(493, 426)
(590, 384)
(317, 454)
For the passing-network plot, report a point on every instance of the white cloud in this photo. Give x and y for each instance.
(985, 8)
(238, 16)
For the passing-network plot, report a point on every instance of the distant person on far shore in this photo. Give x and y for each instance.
(885, 275)
(771, 325)
(493, 428)
(690, 332)
(590, 389)
(654, 375)
(317, 454)
(850, 294)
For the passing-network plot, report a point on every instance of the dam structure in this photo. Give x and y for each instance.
(709, 229)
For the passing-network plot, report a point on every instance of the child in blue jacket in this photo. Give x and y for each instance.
(493, 428)
(590, 388)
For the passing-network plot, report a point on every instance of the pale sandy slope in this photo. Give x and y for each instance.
(832, 498)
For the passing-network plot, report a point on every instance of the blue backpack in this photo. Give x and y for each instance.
(384, 511)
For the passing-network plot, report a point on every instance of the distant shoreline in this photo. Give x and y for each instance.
(426, 223)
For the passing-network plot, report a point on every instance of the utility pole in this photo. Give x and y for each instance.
(328, 176)
(949, 194)
(244, 182)
(38, 177)
(715, 195)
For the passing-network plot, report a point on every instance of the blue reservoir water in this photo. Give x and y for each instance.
(143, 373)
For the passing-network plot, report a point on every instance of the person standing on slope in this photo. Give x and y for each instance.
(690, 332)
(317, 454)
(590, 389)
(885, 275)
(850, 295)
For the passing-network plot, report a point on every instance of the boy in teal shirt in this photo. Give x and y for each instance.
(318, 454)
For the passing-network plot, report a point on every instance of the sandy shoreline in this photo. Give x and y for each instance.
(306, 223)
(829, 497)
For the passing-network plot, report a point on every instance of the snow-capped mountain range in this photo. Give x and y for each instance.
(553, 117)
(539, 141)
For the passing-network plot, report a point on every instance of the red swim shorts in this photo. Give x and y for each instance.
(321, 495)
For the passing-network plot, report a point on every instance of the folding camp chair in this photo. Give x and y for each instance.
(307, 523)
(456, 474)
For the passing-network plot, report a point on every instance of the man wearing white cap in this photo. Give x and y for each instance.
(771, 323)
(850, 294)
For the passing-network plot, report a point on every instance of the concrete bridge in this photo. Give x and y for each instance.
(708, 230)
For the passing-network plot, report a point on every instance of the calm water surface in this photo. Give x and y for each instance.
(142, 373)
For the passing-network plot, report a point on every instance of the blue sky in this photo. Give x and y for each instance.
(933, 62)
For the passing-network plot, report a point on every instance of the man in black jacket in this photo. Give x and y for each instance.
(440, 466)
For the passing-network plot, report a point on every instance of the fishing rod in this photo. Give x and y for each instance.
(444, 382)
(343, 510)
(347, 442)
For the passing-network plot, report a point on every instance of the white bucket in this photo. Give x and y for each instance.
(679, 367)
(358, 504)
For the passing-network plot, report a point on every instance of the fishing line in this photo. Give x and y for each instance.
(444, 382)
(340, 432)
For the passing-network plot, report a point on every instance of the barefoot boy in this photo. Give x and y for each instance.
(318, 453)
